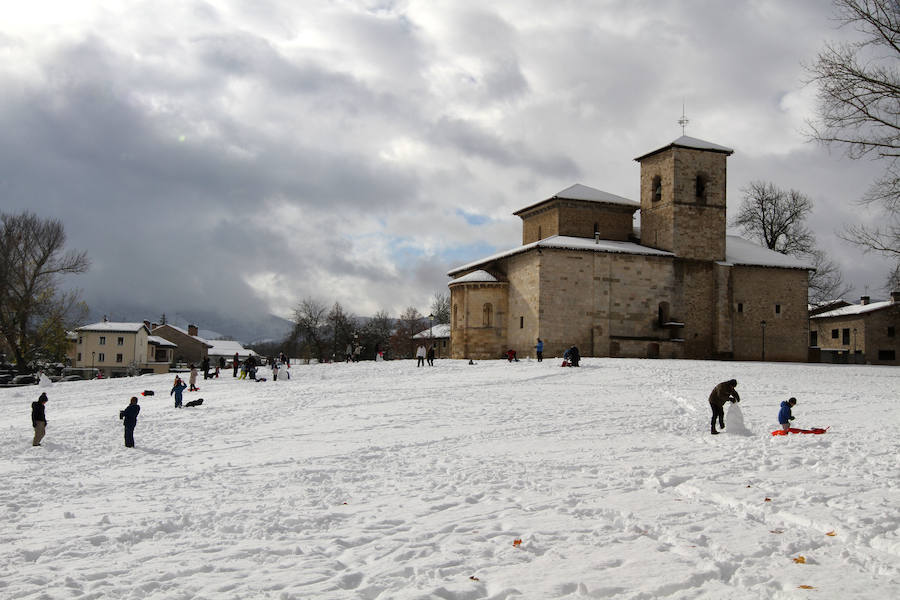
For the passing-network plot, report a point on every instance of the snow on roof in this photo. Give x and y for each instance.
(228, 348)
(180, 330)
(155, 339)
(689, 142)
(565, 242)
(111, 326)
(739, 251)
(476, 277)
(854, 309)
(438, 331)
(587, 193)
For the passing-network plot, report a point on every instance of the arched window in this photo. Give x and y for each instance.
(656, 188)
(487, 315)
(663, 313)
(700, 185)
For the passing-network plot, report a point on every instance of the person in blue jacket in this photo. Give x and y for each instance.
(539, 348)
(784, 413)
(177, 390)
(129, 419)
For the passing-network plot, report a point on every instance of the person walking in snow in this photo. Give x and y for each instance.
(539, 349)
(178, 389)
(39, 419)
(205, 365)
(193, 379)
(348, 353)
(430, 356)
(274, 371)
(129, 420)
(235, 363)
(722, 393)
(420, 356)
(784, 413)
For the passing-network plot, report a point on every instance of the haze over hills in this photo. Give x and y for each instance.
(245, 328)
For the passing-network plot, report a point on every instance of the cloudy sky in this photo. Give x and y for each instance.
(239, 154)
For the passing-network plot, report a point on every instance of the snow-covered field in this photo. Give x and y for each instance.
(384, 480)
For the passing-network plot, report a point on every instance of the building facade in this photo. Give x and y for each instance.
(192, 349)
(678, 287)
(117, 349)
(864, 333)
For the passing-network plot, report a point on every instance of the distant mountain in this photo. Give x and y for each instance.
(246, 329)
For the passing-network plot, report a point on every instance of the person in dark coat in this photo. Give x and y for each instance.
(784, 413)
(129, 419)
(573, 356)
(235, 363)
(205, 365)
(429, 356)
(39, 419)
(178, 389)
(722, 393)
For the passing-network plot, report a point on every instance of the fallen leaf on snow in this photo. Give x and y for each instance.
(768, 499)
(517, 543)
(473, 578)
(806, 587)
(831, 533)
(776, 531)
(800, 560)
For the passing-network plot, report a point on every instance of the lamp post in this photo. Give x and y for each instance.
(431, 329)
(854, 344)
(762, 324)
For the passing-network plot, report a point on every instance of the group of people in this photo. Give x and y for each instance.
(725, 392)
(423, 355)
(39, 419)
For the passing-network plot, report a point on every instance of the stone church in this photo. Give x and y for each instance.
(677, 287)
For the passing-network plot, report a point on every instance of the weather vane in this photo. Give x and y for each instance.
(683, 121)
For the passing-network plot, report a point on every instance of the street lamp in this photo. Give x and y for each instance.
(431, 329)
(762, 324)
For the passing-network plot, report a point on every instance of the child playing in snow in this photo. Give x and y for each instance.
(177, 390)
(784, 413)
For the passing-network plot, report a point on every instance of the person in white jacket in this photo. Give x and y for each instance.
(420, 356)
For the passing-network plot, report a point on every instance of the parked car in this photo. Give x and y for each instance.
(5, 378)
(23, 380)
(72, 378)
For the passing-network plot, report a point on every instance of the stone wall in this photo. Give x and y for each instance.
(871, 334)
(699, 219)
(539, 225)
(778, 297)
(658, 216)
(577, 218)
(469, 336)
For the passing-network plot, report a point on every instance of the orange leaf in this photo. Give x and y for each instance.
(806, 587)
(831, 533)
(517, 543)
(768, 499)
(800, 560)
(473, 578)
(776, 531)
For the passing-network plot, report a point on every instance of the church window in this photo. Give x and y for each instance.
(521, 322)
(487, 314)
(700, 185)
(454, 317)
(890, 331)
(656, 188)
(740, 307)
(777, 309)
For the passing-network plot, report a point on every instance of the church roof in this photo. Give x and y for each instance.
(479, 276)
(565, 242)
(689, 142)
(739, 251)
(586, 193)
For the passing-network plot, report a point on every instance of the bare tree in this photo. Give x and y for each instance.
(376, 333)
(440, 307)
(309, 321)
(34, 314)
(776, 218)
(410, 323)
(859, 109)
(342, 329)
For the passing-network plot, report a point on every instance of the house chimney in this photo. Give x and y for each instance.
(192, 330)
(147, 324)
(863, 300)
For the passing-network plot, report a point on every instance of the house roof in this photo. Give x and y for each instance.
(586, 194)
(180, 330)
(228, 348)
(113, 326)
(689, 142)
(855, 309)
(158, 341)
(441, 330)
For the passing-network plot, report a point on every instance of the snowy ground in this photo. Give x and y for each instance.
(384, 480)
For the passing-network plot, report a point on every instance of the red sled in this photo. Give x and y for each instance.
(795, 430)
(566, 363)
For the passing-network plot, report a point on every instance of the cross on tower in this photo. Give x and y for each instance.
(683, 121)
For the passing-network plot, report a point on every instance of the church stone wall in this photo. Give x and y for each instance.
(757, 291)
(657, 216)
(577, 219)
(469, 336)
(699, 219)
(696, 283)
(523, 322)
(539, 225)
(567, 301)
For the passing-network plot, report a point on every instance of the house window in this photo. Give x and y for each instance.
(813, 338)
(78, 358)
(887, 355)
(845, 336)
(891, 331)
(118, 358)
(700, 188)
(102, 340)
(521, 322)
(656, 188)
(101, 357)
(487, 315)
(120, 341)
(834, 334)
(80, 340)
(740, 307)
(777, 309)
